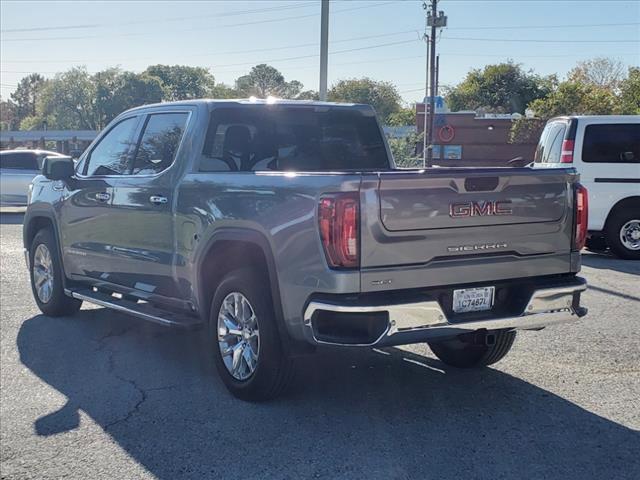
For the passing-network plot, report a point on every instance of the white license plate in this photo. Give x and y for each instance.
(473, 299)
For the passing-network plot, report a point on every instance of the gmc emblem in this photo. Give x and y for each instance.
(480, 209)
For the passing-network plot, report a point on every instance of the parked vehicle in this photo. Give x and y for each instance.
(17, 170)
(605, 150)
(282, 226)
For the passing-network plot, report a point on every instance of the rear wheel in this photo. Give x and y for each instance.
(248, 352)
(623, 234)
(46, 277)
(465, 351)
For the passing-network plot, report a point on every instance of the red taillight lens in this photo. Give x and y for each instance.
(582, 216)
(566, 155)
(338, 216)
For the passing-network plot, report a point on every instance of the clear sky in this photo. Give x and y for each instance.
(375, 38)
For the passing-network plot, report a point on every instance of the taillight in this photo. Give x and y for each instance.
(566, 155)
(582, 215)
(338, 217)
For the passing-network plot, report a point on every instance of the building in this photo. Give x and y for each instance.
(69, 142)
(468, 138)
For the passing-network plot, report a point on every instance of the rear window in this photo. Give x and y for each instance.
(612, 143)
(268, 138)
(19, 161)
(550, 145)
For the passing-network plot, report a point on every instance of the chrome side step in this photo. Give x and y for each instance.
(141, 310)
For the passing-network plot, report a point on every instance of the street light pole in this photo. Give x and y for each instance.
(324, 49)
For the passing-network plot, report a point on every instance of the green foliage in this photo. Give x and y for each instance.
(501, 88)
(181, 82)
(264, 80)
(220, 90)
(404, 116)
(600, 72)
(630, 92)
(8, 118)
(406, 150)
(383, 96)
(26, 96)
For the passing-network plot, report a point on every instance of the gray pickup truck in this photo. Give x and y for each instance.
(282, 226)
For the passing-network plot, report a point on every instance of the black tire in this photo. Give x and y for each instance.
(58, 304)
(462, 353)
(612, 233)
(274, 368)
(596, 244)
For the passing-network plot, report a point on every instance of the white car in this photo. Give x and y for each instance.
(605, 149)
(17, 170)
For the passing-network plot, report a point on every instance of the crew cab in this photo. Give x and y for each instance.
(605, 150)
(282, 226)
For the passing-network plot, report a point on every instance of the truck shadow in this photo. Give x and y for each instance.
(11, 218)
(365, 414)
(606, 261)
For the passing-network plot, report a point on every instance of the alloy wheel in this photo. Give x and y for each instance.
(630, 235)
(43, 273)
(238, 336)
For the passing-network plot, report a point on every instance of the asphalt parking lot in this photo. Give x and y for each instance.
(101, 395)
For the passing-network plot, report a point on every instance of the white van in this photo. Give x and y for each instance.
(605, 149)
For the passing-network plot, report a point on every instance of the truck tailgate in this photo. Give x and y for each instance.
(422, 228)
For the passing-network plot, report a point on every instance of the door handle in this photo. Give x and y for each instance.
(103, 196)
(158, 199)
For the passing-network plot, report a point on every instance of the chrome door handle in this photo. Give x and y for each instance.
(103, 196)
(158, 199)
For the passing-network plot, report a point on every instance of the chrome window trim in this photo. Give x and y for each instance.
(144, 118)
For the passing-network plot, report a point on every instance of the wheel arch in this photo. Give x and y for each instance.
(231, 248)
(628, 202)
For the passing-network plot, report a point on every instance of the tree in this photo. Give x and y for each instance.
(600, 71)
(383, 96)
(220, 90)
(630, 92)
(404, 116)
(404, 150)
(570, 98)
(181, 82)
(8, 119)
(27, 94)
(69, 101)
(501, 88)
(264, 80)
(117, 91)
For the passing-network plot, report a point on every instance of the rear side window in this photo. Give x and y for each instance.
(111, 155)
(19, 161)
(271, 138)
(159, 143)
(612, 143)
(550, 145)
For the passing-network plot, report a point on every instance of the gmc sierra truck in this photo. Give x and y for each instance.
(282, 226)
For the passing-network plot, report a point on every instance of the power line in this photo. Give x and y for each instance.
(234, 52)
(525, 27)
(521, 40)
(217, 27)
(159, 20)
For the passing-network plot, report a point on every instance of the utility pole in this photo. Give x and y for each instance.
(424, 110)
(437, 74)
(435, 20)
(324, 49)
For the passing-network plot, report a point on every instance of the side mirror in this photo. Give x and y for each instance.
(58, 168)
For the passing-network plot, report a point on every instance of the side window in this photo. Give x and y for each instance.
(555, 149)
(110, 155)
(159, 143)
(611, 143)
(19, 161)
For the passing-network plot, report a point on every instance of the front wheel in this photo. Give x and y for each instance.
(623, 234)
(248, 351)
(464, 351)
(46, 277)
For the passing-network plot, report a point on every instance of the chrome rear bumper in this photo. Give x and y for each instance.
(418, 321)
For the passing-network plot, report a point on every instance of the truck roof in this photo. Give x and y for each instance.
(211, 103)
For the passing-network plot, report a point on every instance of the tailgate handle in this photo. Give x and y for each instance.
(481, 184)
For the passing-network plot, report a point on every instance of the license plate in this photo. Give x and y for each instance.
(473, 299)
